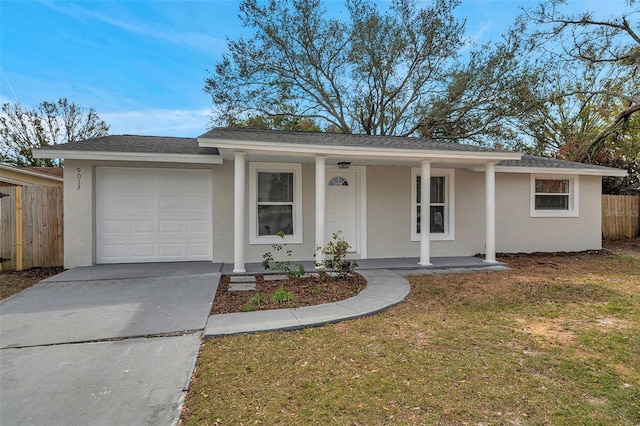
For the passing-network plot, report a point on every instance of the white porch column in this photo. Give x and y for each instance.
(425, 213)
(320, 206)
(490, 199)
(239, 211)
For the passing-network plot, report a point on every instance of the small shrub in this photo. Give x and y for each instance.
(335, 253)
(288, 266)
(281, 296)
(257, 299)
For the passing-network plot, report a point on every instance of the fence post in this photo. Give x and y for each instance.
(18, 228)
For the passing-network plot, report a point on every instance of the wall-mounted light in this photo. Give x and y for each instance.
(344, 164)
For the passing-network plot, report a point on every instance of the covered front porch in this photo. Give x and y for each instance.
(381, 219)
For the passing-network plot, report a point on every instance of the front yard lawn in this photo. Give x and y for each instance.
(555, 341)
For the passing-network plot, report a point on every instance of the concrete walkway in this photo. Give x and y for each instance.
(384, 289)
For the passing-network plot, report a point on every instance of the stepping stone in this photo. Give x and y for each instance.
(275, 277)
(242, 287)
(242, 279)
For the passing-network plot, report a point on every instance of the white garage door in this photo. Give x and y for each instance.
(152, 215)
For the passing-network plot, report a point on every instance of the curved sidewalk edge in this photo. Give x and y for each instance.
(384, 289)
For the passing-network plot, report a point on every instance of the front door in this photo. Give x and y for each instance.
(342, 206)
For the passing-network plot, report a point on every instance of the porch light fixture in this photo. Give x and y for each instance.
(344, 164)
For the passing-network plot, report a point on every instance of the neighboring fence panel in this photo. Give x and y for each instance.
(37, 241)
(620, 216)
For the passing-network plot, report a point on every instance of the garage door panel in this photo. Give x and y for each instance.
(197, 249)
(115, 227)
(142, 226)
(170, 226)
(196, 226)
(142, 250)
(110, 251)
(157, 215)
(170, 250)
(170, 202)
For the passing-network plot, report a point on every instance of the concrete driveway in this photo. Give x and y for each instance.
(104, 345)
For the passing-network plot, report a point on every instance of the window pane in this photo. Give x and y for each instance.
(437, 189)
(552, 202)
(273, 219)
(552, 186)
(437, 219)
(338, 181)
(275, 187)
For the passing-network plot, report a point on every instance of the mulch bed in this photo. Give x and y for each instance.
(306, 291)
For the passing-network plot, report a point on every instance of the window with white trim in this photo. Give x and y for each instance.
(441, 208)
(554, 196)
(275, 194)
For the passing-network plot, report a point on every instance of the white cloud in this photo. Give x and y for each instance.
(200, 41)
(158, 122)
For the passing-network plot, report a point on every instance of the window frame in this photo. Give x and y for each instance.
(254, 169)
(573, 204)
(449, 204)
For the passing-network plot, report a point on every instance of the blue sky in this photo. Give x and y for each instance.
(141, 64)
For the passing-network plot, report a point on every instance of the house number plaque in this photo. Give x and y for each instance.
(79, 176)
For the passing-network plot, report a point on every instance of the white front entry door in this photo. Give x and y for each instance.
(342, 206)
(153, 215)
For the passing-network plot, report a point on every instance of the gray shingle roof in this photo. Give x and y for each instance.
(339, 139)
(544, 162)
(138, 144)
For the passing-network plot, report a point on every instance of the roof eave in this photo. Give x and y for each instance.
(128, 156)
(561, 170)
(316, 149)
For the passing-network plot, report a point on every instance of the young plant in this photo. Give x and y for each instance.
(288, 266)
(255, 300)
(335, 257)
(281, 296)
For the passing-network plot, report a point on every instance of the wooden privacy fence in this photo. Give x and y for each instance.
(30, 227)
(620, 216)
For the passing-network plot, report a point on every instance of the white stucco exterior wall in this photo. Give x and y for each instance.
(389, 214)
(388, 193)
(78, 213)
(517, 232)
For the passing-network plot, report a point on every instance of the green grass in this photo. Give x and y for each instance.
(541, 344)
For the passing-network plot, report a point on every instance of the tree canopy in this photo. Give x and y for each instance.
(49, 123)
(591, 87)
(391, 72)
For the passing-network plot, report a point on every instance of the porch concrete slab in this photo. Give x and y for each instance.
(53, 312)
(128, 382)
(135, 270)
(384, 289)
(242, 286)
(399, 263)
(242, 279)
(276, 277)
